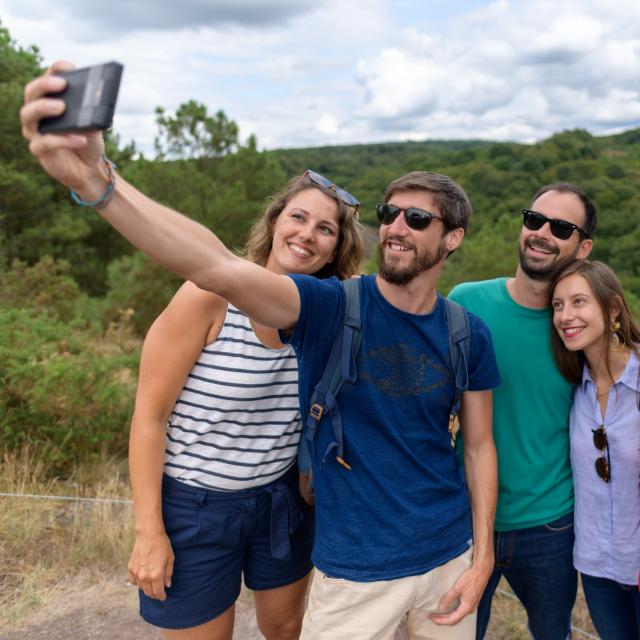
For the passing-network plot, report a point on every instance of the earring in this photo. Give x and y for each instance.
(617, 343)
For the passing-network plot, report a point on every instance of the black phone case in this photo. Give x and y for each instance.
(90, 99)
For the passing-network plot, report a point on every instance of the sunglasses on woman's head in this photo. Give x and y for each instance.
(415, 218)
(603, 463)
(561, 229)
(344, 196)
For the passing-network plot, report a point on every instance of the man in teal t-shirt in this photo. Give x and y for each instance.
(534, 517)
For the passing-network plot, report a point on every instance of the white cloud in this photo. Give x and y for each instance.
(302, 73)
(106, 20)
(513, 69)
(397, 83)
(327, 125)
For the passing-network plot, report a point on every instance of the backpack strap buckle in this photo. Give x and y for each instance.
(316, 411)
(454, 428)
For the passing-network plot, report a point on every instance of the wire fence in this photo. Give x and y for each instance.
(36, 496)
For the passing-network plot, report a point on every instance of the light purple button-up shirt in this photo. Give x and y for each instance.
(607, 515)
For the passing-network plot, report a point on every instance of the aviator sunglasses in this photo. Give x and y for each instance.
(344, 196)
(415, 218)
(561, 229)
(603, 463)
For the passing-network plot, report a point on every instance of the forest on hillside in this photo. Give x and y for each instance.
(75, 298)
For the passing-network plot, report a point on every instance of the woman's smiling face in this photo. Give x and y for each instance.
(305, 234)
(577, 315)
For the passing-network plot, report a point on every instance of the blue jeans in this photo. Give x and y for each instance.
(614, 607)
(538, 565)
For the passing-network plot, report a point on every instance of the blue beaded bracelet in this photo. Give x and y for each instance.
(104, 199)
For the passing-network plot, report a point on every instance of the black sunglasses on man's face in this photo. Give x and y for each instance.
(415, 218)
(561, 229)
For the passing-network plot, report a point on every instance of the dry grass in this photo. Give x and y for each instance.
(51, 551)
(509, 620)
(45, 543)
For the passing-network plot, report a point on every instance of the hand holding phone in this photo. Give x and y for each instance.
(90, 99)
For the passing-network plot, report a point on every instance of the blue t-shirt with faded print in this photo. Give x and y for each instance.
(403, 509)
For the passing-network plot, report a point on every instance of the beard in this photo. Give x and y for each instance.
(544, 272)
(420, 262)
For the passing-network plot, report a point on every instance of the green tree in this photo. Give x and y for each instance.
(37, 217)
(138, 284)
(17, 67)
(193, 133)
(46, 286)
(489, 253)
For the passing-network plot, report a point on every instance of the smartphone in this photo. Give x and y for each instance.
(90, 99)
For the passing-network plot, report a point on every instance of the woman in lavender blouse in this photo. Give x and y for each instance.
(596, 343)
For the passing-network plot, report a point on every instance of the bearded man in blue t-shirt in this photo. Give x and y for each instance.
(393, 533)
(405, 534)
(400, 536)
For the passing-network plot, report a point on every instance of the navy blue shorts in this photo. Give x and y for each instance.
(265, 533)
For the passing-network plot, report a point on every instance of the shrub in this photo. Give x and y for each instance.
(46, 285)
(65, 390)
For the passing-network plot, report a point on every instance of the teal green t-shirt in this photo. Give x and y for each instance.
(530, 408)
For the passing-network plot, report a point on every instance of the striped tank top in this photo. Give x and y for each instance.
(236, 423)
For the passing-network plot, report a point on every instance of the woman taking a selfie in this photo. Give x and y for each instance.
(215, 434)
(596, 343)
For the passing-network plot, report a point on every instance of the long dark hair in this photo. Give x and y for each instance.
(609, 295)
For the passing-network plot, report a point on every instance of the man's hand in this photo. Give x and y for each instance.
(75, 160)
(151, 565)
(466, 591)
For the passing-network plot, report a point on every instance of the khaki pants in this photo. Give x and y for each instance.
(345, 610)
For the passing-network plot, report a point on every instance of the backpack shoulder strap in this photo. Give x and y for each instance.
(351, 319)
(459, 347)
(340, 368)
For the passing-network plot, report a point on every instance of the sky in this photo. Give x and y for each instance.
(302, 73)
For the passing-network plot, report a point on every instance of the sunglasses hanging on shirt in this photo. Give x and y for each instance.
(603, 463)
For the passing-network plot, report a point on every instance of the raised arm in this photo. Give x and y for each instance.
(176, 242)
(481, 472)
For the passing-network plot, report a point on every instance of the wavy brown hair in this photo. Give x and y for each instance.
(349, 246)
(609, 295)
